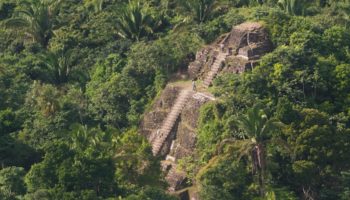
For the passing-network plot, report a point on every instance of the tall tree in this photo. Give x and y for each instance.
(293, 7)
(136, 22)
(11, 182)
(97, 5)
(200, 9)
(59, 65)
(255, 132)
(36, 18)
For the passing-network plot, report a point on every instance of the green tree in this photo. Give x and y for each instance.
(135, 22)
(12, 183)
(76, 165)
(345, 176)
(7, 121)
(134, 162)
(97, 5)
(6, 9)
(36, 18)
(201, 10)
(293, 7)
(224, 179)
(336, 41)
(342, 73)
(153, 193)
(49, 112)
(257, 129)
(59, 66)
(317, 144)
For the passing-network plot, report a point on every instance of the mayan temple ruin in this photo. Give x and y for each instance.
(170, 125)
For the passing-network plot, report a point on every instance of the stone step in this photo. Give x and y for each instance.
(178, 107)
(174, 178)
(211, 73)
(170, 120)
(214, 69)
(158, 144)
(172, 174)
(208, 81)
(167, 129)
(209, 78)
(167, 126)
(174, 113)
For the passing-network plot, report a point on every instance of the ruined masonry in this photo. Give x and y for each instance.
(215, 67)
(170, 125)
(161, 134)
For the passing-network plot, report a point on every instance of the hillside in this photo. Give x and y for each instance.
(97, 99)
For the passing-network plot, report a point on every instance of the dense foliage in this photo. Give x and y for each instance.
(76, 77)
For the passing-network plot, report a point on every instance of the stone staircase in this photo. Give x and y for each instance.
(203, 96)
(174, 178)
(169, 121)
(215, 67)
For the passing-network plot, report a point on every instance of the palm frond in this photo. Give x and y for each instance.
(223, 143)
(16, 23)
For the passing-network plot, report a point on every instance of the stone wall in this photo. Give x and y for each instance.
(181, 142)
(153, 119)
(246, 43)
(185, 141)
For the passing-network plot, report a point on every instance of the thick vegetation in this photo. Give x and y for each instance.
(76, 76)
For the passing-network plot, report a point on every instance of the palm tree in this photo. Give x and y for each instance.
(200, 9)
(83, 137)
(255, 132)
(342, 8)
(79, 137)
(256, 129)
(293, 7)
(96, 4)
(45, 97)
(59, 65)
(36, 18)
(136, 23)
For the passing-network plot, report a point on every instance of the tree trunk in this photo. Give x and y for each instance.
(260, 155)
(261, 182)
